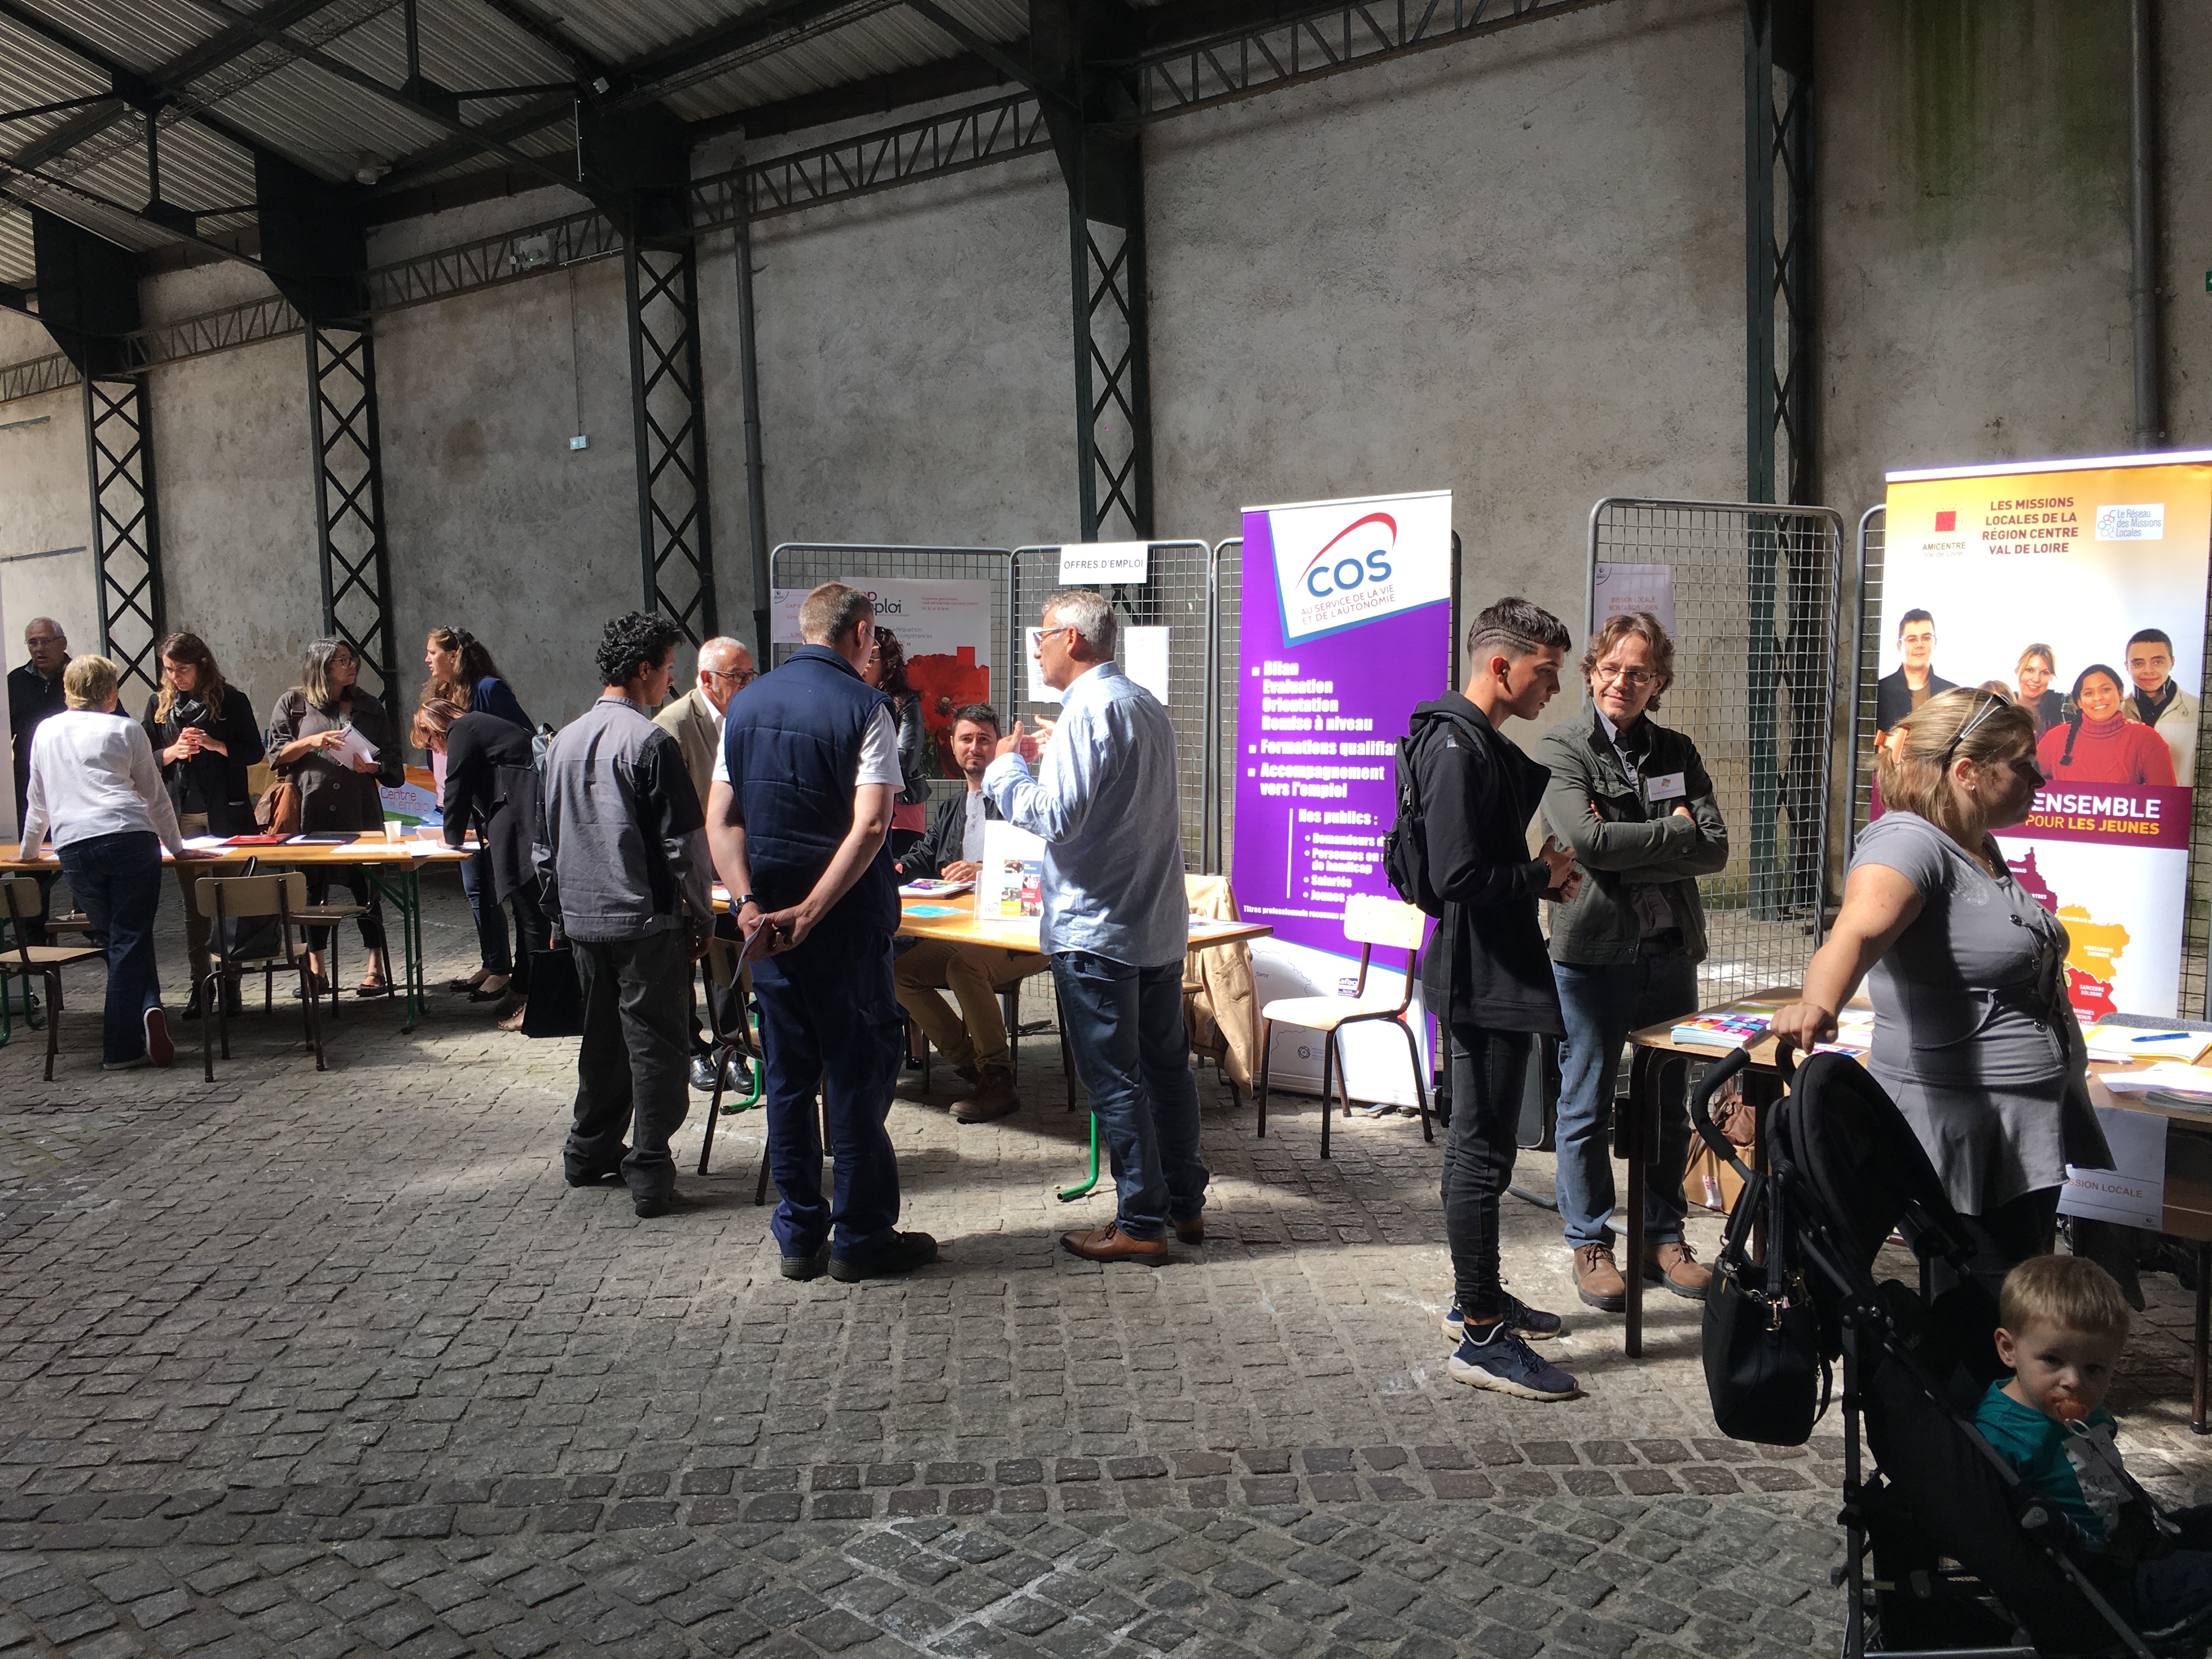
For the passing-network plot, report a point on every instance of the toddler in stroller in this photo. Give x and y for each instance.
(1950, 1551)
(2061, 1322)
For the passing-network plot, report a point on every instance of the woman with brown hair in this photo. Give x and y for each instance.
(886, 672)
(1974, 1037)
(463, 673)
(308, 723)
(205, 737)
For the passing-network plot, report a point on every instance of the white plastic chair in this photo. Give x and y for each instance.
(1368, 922)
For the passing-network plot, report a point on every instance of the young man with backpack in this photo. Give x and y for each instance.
(1467, 797)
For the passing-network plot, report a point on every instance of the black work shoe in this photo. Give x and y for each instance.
(593, 1177)
(702, 1073)
(902, 1253)
(660, 1204)
(804, 1266)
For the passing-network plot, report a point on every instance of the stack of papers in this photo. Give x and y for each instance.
(2168, 1076)
(2107, 1041)
(924, 887)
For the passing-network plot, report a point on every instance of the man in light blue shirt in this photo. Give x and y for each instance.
(1115, 919)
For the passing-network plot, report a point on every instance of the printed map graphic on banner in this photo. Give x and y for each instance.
(2052, 580)
(1345, 626)
(943, 627)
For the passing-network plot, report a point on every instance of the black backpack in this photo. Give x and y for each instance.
(1406, 849)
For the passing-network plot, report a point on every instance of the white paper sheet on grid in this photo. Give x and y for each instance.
(2134, 1192)
(1142, 653)
(1620, 588)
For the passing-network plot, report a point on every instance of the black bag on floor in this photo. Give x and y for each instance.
(556, 1008)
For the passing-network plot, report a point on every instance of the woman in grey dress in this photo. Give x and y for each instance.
(1974, 1037)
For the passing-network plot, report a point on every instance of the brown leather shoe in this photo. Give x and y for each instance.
(994, 1096)
(1677, 1268)
(1598, 1280)
(1110, 1244)
(1192, 1231)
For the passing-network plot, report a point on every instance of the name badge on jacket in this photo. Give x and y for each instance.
(1665, 785)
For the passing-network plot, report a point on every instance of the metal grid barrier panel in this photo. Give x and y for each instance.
(1180, 597)
(1228, 612)
(807, 565)
(1758, 601)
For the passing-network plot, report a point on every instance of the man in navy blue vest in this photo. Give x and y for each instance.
(798, 818)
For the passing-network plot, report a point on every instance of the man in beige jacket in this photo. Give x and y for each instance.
(695, 720)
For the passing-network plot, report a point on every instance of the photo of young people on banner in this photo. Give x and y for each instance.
(2078, 589)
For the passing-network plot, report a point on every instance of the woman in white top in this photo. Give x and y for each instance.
(96, 788)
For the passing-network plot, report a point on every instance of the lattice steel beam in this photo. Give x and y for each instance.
(493, 260)
(37, 377)
(354, 561)
(126, 539)
(1112, 377)
(931, 148)
(1777, 138)
(675, 531)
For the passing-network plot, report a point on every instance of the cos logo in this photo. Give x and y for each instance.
(1338, 568)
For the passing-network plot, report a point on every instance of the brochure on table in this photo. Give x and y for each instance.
(2077, 557)
(1010, 887)
(1345, 625)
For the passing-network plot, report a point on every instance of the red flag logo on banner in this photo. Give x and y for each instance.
(1946, 521)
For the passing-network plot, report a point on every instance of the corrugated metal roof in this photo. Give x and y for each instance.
(273, 96)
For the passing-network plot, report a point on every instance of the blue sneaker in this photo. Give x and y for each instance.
(1508, 1364)
(1530, 1322)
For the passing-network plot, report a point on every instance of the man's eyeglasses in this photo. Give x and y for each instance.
(1634, 678)
(740, 678)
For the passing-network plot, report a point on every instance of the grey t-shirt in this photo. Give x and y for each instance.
(1974, 1037)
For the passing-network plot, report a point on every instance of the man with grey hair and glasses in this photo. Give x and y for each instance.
(1115, 919)
(34, 694)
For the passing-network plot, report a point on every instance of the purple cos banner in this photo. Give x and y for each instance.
(1345, 625)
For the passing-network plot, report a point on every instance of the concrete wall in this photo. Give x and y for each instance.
(43, 505)
(1510, 267)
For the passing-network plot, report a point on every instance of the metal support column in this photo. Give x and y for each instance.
(1094, 134)
(354, 558)
(755, 470)
(1778, 378)
(126, 533)
(674, 536)
(88, 300)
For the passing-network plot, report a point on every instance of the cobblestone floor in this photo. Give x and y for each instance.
(336, 1365)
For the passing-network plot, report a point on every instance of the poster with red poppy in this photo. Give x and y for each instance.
(945, 629)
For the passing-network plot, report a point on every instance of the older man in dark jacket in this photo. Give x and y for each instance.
(1487, 976)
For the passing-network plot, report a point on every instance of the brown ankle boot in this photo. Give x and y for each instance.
(1677, 1268)
(1598, 1280)
(994, 1096)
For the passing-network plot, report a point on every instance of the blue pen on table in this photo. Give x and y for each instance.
(2162, 1037)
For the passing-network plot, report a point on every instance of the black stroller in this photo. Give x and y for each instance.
(1947, 1554)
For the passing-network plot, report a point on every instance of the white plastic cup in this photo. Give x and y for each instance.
(394, 830)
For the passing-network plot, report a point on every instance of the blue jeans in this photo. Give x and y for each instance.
(1601, 1006)
(1125, 1029)
(118, 880)
(491, 920)
(830, 1021)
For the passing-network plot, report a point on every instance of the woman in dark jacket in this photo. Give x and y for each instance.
(205, 737)
(463, 673)
(886, 672)
(491, 784)
(309, 722)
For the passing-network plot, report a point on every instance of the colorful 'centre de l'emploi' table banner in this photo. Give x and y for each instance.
(1345, 625)
(2079, 587)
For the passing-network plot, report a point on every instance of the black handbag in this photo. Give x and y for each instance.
(556, 1008)
(1765, 1376)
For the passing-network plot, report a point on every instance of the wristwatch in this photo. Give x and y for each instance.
(747, 898)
